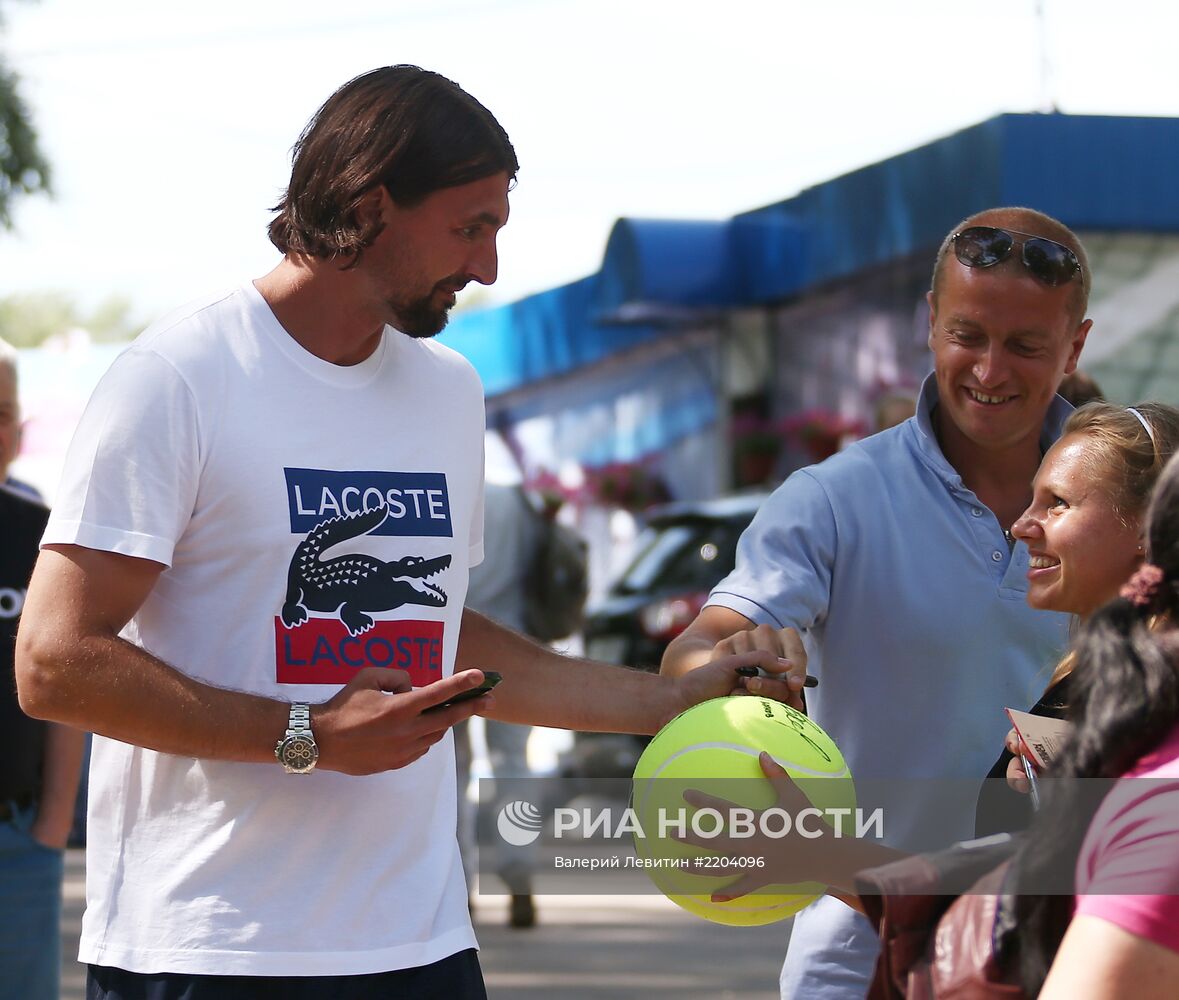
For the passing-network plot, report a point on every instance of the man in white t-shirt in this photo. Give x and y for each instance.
(260, 549)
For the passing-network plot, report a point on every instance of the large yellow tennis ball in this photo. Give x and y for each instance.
(713, 747)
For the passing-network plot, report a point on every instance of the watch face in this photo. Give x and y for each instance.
(299, 753)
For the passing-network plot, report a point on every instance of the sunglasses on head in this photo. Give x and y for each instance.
(984, 246)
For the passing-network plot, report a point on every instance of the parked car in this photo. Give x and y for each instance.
(683, 550)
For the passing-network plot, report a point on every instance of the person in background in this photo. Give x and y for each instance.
(497, 589)
(11, 425)
(38, 786)
(895, 561)
(10, 421)
(892, 408)
(10, 441)
(1080, 388)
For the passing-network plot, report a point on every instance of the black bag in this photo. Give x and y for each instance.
(558, 581)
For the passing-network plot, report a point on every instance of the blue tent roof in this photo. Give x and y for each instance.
(1091, 172)
(1094, 173)
(540, 336)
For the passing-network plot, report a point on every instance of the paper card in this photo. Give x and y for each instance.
(1041, 735)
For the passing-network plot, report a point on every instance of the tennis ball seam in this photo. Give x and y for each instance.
(738, 748)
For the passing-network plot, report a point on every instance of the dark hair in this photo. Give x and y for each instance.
(1124, 701)
(1079, 388)
(401, 127)
(1027, 220)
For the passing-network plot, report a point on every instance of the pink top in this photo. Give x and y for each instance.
(1128, 868)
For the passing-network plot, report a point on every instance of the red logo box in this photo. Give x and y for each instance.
(320, 651)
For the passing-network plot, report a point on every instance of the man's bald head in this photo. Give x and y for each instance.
(1032, 223)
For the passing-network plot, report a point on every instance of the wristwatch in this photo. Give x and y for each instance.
(297, 751)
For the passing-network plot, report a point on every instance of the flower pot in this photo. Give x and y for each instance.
(755, 467)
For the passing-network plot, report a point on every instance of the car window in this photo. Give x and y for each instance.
(690, 555)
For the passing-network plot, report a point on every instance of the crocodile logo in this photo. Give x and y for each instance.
(352, 585)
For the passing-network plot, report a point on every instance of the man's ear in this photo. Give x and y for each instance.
(1076, 345)
(371, 206)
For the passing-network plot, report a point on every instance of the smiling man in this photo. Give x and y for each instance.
(1002, 341)
(894, 562)
(252, 585)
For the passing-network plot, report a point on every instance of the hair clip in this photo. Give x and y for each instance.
(1143, 587)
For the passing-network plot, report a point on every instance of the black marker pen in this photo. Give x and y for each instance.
(810, 682)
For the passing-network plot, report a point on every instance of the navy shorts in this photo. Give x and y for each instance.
(455, 978)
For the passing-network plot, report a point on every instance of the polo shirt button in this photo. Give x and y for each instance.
(997, 556)
(976, 512)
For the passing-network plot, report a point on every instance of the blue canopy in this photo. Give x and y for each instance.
(1092, 172)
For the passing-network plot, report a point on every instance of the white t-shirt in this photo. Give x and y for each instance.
(217, 446)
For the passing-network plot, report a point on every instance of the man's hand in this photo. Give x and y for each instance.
(789, 668)
(719, 632)
(719, 678)
(376, 722)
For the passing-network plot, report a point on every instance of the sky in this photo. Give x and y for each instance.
(169, 127)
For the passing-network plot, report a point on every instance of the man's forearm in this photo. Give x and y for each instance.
(542, 687)
(72, 666)
(696, 644)
(106, 685)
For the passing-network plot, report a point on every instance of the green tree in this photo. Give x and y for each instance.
(23, 168)
(29, 319)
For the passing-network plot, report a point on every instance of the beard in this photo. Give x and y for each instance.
(421, 318)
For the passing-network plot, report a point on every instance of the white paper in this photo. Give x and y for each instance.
(1041, 735)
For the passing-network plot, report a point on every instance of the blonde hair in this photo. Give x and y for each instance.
(1129, 446)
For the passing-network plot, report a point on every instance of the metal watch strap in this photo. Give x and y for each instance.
(299, 733)
(300, 718)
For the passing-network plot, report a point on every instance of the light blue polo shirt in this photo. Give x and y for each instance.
(913, 613)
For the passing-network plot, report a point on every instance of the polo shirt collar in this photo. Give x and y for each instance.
(930, 450)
